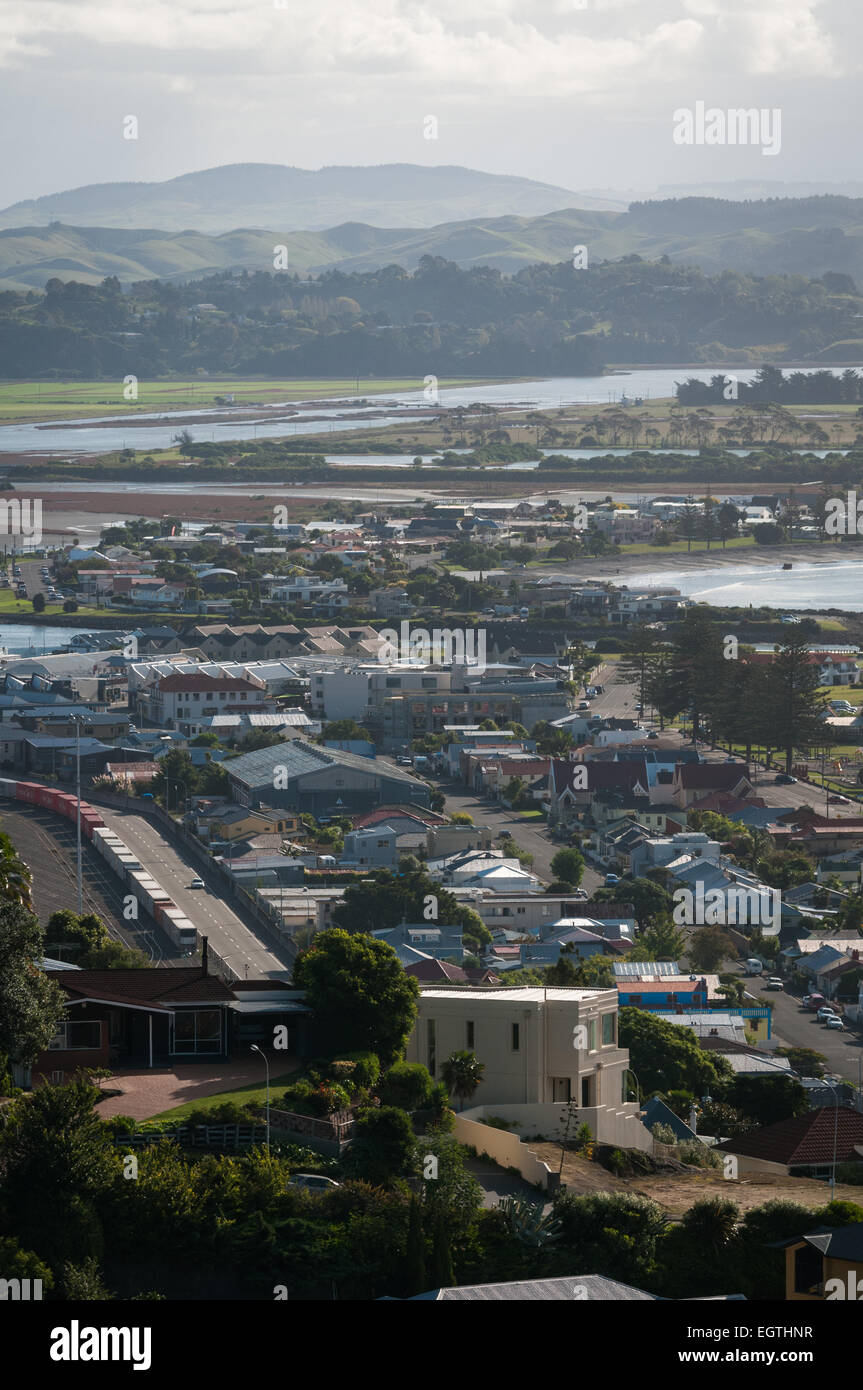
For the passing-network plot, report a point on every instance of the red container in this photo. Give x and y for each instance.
(28, 791)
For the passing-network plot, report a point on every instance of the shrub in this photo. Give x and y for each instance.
(664, 1134)
(367, 1067)
(699, 1156)
(120, 1125)
(407, 1085)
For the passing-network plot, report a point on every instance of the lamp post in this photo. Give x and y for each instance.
(180, 782)
(77, 720)
(834, 1086)
(255, 1048)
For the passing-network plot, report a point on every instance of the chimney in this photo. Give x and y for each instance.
(205, 941)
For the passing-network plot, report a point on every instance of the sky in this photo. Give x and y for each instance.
(580, 93)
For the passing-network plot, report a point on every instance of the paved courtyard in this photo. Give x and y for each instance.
(147, 1093)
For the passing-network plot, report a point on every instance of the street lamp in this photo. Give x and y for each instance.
(77, 719)
(255, 1048)
(834, 1086)
(180, 782)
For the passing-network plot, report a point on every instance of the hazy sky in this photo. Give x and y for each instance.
(576, 92)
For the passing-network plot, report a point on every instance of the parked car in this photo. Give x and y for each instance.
(600, 689)
(825, 1013)
(805, 1000)
(784, 779)
(835, 1024)
(584, 704)
(814, 1002)
(653, 734)
(197, 883)
(773, 982)
(611, 880)
(404, 761)
(313, 1182)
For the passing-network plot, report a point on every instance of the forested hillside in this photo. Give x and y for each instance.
(439, 319)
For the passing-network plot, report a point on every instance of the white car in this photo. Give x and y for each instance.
(773, 982)
(313, 1182)
(824, 1013)
(197, 883)
(835, 1022)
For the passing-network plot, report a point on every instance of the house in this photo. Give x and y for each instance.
(434, 940)
(143, 1018)
(803, 1146)
(824, 1264)
(226, 821)
(376, 847)
(524, 1038)
(694, 781)
(325, 782)
(596, 1289)
(196, 695)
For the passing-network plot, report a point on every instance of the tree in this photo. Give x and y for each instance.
(648, 899)
(384, 1146)
(407, 1085)
(359, 993)
(384, 900)
(708, 948)
(31, 1003)
(70, 606)
(768, 1099)
(660, 941)
(15, 875)
(614, 1232)
(793, 699)
(345, 730)
(415, 1268)
(666, 1057)
(461, 1073)
(568, 866)
(57, 1160)
(38, 603)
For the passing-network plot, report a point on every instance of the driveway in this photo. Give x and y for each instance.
(495, 1183)
(147, 1093)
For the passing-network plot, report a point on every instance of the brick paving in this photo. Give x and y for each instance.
(147, 1093)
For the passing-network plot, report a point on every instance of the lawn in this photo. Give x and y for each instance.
(239, 1096)
(29, 400)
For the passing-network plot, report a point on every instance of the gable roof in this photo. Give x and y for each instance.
(161, 986)
(804, 1139)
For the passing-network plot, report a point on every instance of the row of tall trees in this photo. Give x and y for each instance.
(729, 697)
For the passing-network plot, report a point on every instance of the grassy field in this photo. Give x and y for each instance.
(31, 400)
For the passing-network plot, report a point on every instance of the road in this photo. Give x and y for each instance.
(794, 1027)
(207, 909)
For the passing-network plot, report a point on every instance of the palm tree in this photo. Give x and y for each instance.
(15, 875)
(461, 1073)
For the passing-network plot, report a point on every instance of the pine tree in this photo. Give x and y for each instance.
(793, 700)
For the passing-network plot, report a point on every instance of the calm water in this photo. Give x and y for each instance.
(31, 640)
(830, 585)
(648, 383)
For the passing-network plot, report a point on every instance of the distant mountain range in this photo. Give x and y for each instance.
(277, 195)
(776, 236)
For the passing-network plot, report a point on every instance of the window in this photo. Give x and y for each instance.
(198, 1030)
(431, 1048)
(515, 1037)
(470, 1032)
(591, 1035)
(77, 1037)
(608, 1029)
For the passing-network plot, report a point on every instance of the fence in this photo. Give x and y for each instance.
(328, 1136)
(236, 1136)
